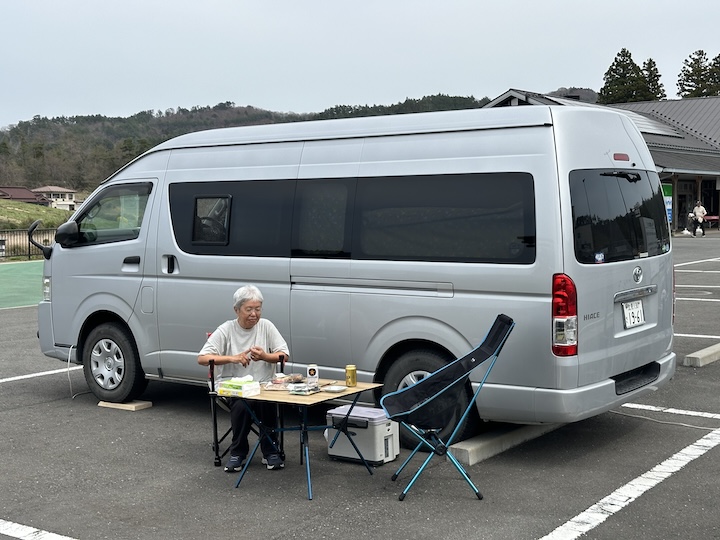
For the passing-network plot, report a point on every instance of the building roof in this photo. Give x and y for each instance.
(21, 194)
(680, 163)
(53, 189)
(521, 97)
(683, 135)
(699, 117)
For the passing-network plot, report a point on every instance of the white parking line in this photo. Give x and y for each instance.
(678, 265)
(42, 373)
(707, 336)
(620, 498)
(15, 530)
(670, 410)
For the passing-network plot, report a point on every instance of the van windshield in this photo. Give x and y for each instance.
(618, 215)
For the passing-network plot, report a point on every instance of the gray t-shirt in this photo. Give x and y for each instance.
(230, 338)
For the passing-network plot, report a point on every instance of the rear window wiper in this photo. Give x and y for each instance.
(629, 176)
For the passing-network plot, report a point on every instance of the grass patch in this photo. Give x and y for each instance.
(20, 215)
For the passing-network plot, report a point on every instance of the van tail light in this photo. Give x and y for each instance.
(564, 316)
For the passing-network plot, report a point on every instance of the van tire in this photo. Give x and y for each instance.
(111, 364)
(414, 365)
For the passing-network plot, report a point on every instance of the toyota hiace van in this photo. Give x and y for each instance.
(388, 242)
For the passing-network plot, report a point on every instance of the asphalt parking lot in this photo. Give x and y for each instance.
(73, 469)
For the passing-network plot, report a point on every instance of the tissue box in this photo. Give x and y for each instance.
(374, 434)
(238, 388)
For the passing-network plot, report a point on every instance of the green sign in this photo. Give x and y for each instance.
(667, 192)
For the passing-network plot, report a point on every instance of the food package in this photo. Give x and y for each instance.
(273, 385)
(292, 378)
(239, 387)
(303, 389)
(280, 381)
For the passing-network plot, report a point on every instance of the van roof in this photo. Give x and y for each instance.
(374, 126)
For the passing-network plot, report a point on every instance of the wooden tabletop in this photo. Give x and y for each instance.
(283, 396)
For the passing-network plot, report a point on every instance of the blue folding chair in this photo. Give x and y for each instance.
(426, 407)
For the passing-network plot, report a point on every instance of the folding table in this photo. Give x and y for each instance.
(303, 403)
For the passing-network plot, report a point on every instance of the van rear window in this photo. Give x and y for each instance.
(618, 215)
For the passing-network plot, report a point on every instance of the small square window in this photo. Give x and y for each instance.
(210, 225)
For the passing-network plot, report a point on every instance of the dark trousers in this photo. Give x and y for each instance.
(697, 224)
(241, 422)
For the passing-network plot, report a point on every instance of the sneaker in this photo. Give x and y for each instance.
(235, 464)
(274, 462)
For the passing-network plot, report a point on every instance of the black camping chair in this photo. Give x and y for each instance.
(428, 406)
(222, 402)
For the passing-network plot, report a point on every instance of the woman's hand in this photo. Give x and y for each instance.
(243, 358)
(257, 353)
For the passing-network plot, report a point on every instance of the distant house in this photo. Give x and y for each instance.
(59, 197)
(22, 194)
(683, 137)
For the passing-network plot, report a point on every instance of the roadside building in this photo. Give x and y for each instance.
(23, 194)
(59, 197)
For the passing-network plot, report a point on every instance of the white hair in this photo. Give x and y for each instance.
(246, 293)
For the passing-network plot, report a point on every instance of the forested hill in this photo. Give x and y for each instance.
(79, 152)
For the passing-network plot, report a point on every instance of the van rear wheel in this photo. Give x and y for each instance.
(111, 364)
(415, 365)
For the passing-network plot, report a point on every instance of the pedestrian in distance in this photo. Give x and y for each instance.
(699, 214)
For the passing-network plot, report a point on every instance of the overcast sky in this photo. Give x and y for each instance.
(120, 57)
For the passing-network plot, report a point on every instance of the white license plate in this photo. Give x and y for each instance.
(633, 313)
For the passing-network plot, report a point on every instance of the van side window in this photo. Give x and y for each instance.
(617, 215)
(321, 227)
(212, 215)
(251, 218)
(460, 218)
(115, 215)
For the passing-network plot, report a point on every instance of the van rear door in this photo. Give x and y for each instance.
(622, 269)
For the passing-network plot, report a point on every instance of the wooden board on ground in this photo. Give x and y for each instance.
(131, 406)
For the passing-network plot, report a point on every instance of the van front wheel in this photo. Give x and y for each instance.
(410, 368)
(111, 365)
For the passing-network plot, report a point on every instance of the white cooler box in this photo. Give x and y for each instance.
(375, 435)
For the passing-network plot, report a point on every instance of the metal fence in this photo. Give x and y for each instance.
(15, 243)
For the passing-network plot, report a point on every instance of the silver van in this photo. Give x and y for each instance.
(386, 242)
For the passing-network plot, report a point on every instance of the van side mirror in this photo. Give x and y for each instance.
(46, 250)
(67, 234)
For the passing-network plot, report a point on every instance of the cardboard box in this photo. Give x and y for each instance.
(374, 434)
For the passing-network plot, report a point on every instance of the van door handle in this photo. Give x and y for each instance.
(132, 260)
(170, 264)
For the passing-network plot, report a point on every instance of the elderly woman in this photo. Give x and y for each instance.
(247, 345)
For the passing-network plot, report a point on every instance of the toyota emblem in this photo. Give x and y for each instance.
(637, 274)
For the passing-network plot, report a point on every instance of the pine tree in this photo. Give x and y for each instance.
(624, 81)
(656, 90)
(693, 80)
(714, 77)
